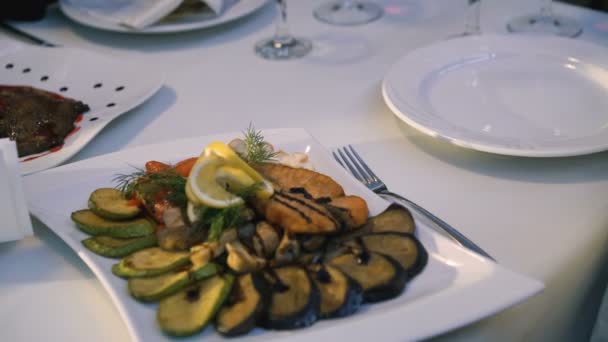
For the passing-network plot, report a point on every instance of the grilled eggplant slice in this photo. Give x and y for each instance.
(395, 219)
(295, 299)
(111, 204)
(151, 289)
(92, 224)
(404, 248)
(379, 276)
(150, 262)
(190, 310)
(248, 300)
(117, 248)
(340, 295)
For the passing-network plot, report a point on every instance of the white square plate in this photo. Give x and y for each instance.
(110, 87)
(457, 287)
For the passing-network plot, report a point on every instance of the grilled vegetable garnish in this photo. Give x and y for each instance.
(190, 310)
(302, 252)
(112, 205)
(117, 248)
(295, 299)
(315, 184)
(380, 276)
(403, 248)
(248, 300)
(394, 219)
(340, 295)
(150, 289)
(92, 224)
(150, 262)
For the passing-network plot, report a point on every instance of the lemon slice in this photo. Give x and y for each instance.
(202, 187)
(224, 151)
(215, 176)
(194, 212)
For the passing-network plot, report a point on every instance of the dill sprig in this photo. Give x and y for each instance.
(148, 185)
(219, 219)
(257, 149)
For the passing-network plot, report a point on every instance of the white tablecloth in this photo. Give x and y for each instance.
(546, 218)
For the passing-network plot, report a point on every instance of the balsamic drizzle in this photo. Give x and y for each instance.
(302, 191)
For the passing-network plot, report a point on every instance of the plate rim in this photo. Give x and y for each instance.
(400, 110)
(79, 17)
(522, 287)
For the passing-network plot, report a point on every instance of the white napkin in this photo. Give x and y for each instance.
(16, 222)
(136, 14)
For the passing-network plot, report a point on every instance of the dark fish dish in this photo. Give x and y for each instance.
(36, 119)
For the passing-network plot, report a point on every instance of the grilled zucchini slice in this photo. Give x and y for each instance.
(111, 204)
(190, 310)
(404, 248)
(150, 262)
(117, 248)
(92, 224)
(151, 289)
(340, 295)
(295, 299)
(379, 276)
(245, 305)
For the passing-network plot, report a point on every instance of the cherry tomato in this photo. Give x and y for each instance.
(184, 167)
(156, 166)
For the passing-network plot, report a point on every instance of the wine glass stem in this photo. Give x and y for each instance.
(546, 10)
(472, 25)
(282, 35)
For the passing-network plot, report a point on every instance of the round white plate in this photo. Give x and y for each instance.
(238, 9)
(110, 87)
(522, 95)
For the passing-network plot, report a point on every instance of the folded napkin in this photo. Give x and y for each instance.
(138, 14)
(16, 222)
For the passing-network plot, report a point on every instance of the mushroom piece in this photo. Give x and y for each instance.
(202, 254)
(172, 218)
(288, 250)
(265, 240)
(240, 260)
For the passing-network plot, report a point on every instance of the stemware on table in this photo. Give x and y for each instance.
(348, 12)
(472, 22)
(546, 22)
(283, 45)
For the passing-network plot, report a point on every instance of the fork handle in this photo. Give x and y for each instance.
(439, 223)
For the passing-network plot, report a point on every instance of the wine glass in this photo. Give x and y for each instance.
(546, 22)
(348, 12)
(472, 23)
(282, 45)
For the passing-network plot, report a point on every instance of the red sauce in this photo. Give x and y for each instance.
(76, 129)
(52, 150)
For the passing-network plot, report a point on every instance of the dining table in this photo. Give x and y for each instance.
(546, 218)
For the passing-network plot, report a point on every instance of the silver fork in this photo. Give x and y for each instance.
(352, 161)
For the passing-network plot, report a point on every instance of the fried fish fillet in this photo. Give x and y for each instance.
(298, 214)
(315, 184)
(351, 211)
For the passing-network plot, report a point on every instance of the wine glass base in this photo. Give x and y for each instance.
(355, 13)
(273, 48)
(556, 25)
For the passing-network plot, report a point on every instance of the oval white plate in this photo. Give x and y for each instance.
(110, 87)
(238, 10)
(457, 287)
(522, 95)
